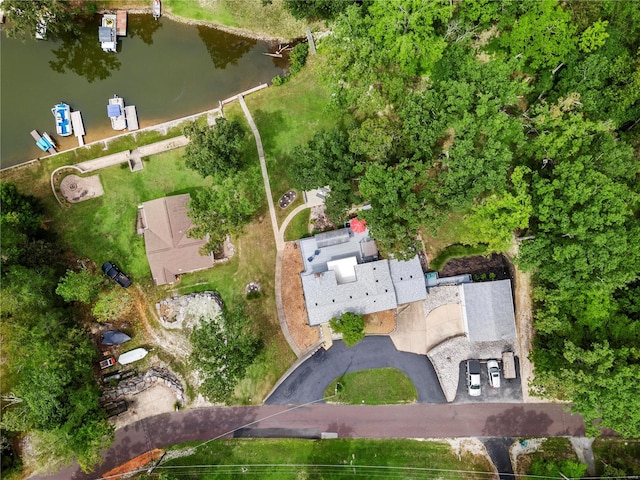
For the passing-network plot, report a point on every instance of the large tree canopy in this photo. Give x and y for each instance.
(48, 385)
(214, 151)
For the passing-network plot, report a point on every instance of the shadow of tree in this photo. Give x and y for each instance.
(224, 48)
(517, 419)
(84, 58)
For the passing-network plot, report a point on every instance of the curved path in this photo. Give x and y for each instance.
(360, 421)
(309, 381)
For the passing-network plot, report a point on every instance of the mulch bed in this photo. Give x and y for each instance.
(134, 464)
(478, 265)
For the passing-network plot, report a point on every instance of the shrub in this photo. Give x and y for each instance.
(78, 287)
(351, 326)
(298, 57)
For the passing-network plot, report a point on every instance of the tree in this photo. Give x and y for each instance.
(223, 349)
(316, 9)
(60, 16)
(80, 286)
(494, 221)
(214, 151)
(544, 35)
(327, 161)
(223, 209)
(350, 325)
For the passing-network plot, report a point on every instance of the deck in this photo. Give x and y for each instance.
(121, 23)
(132, 117)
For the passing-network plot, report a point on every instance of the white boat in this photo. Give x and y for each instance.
(115, 112)
(156, 9)
(132, 356)
(107, 33)
(61, 112)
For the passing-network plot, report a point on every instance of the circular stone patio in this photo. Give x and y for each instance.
(77, 189)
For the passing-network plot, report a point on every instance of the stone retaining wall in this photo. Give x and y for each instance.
(142, 382)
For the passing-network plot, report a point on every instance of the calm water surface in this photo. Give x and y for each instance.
(166, 69)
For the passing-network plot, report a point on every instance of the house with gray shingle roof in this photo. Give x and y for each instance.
(342, 273)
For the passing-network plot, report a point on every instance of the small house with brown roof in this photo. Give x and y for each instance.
(164, 223)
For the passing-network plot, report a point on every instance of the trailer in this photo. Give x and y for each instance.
(508, 365)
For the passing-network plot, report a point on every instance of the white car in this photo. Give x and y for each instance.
(494, 373)
(473, 378)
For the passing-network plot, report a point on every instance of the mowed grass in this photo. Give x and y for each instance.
(268, 19)
(298, 227)
(288, 116)
(104, 228)
(284, 459)
(380, 386)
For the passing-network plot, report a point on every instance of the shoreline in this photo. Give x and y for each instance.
(224, 28)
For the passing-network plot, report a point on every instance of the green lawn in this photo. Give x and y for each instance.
(104, 228)
(265, 18)
(380, 386)
(298, 227)
(288, 116)
(283, 459)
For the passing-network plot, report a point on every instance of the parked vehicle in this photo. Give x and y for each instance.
(493, 369)
(473, 378)
(109, 362)
(111, 270)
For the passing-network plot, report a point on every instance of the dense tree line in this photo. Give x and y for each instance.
(521, 117)
(48, 386)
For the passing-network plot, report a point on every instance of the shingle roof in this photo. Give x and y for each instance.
(169, 250)
(408, 280)
(371, 292)
(489, 310)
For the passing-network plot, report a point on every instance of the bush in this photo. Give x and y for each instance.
(565, 468)
(351, 326)
(298, 57)
(78, 287)
(279, 80)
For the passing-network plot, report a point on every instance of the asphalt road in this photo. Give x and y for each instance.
(308, 382)
(360, 421)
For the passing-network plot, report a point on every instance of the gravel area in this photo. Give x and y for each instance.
(447, 356)
(187, 310)
(442, 295)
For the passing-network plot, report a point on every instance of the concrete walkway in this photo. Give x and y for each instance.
(265, 174)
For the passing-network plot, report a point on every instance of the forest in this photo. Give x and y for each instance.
(521, 118)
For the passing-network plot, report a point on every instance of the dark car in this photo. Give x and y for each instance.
(111, 270)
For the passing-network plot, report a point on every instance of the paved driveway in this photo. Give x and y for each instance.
(308, 382)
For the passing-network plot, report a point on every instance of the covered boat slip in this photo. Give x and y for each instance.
(115, 112)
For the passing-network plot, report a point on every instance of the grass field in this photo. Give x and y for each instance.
(380, 386)
(284, 459)
(298, 227)
(288, 116)
(269, 19)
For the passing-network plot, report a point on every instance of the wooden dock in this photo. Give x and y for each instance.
(132, 117)
(78, 127)
(121, 23)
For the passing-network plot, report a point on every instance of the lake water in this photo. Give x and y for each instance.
(166, 69)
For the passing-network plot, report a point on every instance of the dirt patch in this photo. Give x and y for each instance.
(77, 189)
(380, 323)
(477, 266)
(293, 299)
(134, 464)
